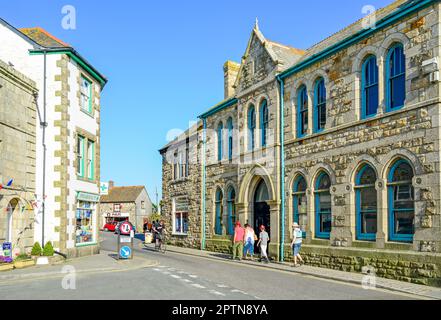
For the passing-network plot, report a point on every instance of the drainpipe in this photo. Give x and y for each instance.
(282, 169)
(44, 125)
(204, 142)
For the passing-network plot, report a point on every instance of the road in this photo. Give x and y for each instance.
(183, 277)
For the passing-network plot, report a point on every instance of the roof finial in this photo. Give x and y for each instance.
(256, 25)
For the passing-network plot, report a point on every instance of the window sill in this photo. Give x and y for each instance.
(180, 180)
(90, 114)
(180, 234)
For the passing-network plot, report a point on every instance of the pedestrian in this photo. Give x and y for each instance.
(239, 234)
(263, 243)
(296, 244)
(249, 239)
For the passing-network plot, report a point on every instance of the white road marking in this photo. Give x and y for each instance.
(221, 286)
(186, 280)
(156, 269)
(192, 276)
(217, 293)
(175, 276)
(239, 291)
(196, 285)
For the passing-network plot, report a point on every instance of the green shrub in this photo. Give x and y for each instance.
(36, 249)
(22, 257)
(48, 250)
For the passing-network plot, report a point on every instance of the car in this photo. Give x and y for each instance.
(111, 226)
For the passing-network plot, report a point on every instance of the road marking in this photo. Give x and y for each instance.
(192, 276)
(239, 291)
(156, 269)
(186, 280)
(175, 276)
(217, 293)
(221, 286)
(196, 285)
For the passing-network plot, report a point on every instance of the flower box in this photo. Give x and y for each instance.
(6, 267)
(24, 264)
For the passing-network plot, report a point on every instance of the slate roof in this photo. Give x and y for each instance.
(122, 194)
(44, 38)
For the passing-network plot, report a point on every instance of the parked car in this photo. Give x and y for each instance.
(110, 227)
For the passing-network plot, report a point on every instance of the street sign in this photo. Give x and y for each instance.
(125, 252)
(7, 249)
(125, 228)
(104, 188)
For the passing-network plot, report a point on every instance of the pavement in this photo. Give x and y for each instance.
(347, 277)
(106, 261)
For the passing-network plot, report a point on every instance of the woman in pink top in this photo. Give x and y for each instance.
(239, 234)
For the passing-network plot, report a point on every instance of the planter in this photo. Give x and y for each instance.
(6, 267)
(42, 260)
(24, 264)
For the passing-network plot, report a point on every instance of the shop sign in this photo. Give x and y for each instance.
(7, 249)
(89, 197)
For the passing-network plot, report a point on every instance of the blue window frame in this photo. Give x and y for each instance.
(251, 128)
(319, 105)
(401, 196)
(300, 202)
(219, 211)
(220, 129)
(302, 112)
(323, 206)
(396, 77)
(231, 210)
(264, 122)
(230, 138)
(369, 84)
(366, 203)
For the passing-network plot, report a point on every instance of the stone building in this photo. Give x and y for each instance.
(126, 203)
(17, 158)
(181, 189)
(342, 138)
(67, 137)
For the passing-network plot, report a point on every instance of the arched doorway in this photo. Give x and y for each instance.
(262, 215)
(10, 220)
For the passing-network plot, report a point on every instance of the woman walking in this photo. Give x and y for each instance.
(296, 244)
(263, 242)
(250, 237)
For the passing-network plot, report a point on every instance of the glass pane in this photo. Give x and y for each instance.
(325, 222)
(404, 222)
(301, 205)
(403, 172)
(178, 222)
(368, 176)
(324, 182)
(322, 116)
(325, 202)
(185, 222)
(398, 91)
(371, 100)
(368, 198)
(368, 223)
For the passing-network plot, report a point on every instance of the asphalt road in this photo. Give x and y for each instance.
(182, 277)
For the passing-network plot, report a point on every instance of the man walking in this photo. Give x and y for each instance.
(263, 242)
(239, 235)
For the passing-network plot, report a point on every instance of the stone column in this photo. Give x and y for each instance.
(382, 214)
(275, 228)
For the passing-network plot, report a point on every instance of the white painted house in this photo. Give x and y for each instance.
(68, 137)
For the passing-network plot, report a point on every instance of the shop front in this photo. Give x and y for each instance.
(86, 219)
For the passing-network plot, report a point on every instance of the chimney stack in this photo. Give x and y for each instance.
(111, 184)
(231, 70)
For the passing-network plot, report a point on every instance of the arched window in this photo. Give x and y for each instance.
(396, 77)
(323, 211)
(264, 122)
(366, 203)
(230, 138)
(219, 211)
(9, 230)
(319, 105)
(302, 112)
(251, 128)
(369, 85)
(401, 202)
(300, 202)
(220, 129)
(231, 210)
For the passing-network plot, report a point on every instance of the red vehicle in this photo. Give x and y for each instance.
(110, 226)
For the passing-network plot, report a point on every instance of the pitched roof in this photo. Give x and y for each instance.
(122, 194)
(44, 38)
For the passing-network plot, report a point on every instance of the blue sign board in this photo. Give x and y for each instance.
(7, 249)
(125, 252)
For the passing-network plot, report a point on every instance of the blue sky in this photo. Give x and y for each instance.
(164, 61)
